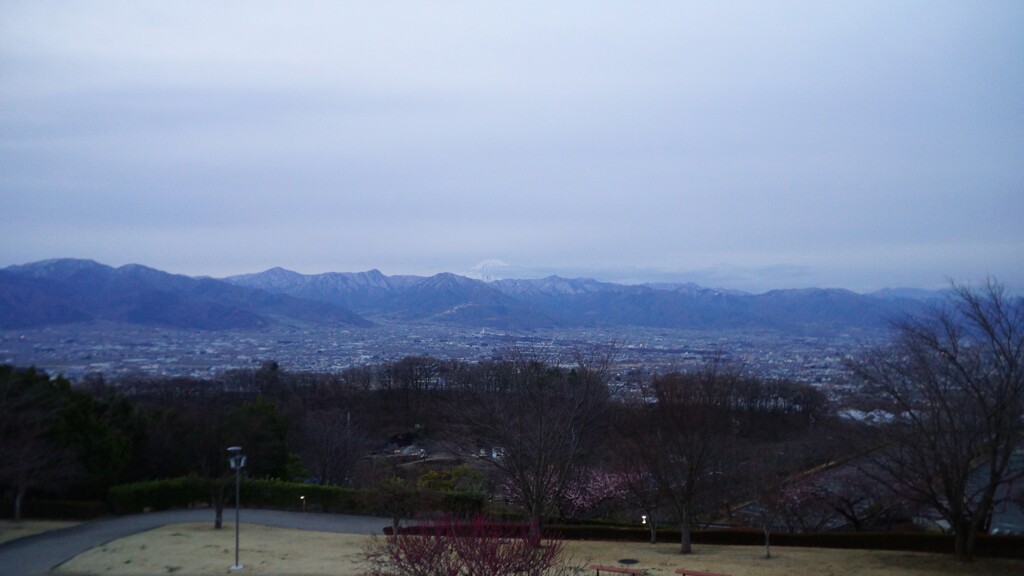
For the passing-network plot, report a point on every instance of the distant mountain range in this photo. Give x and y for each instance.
(562, 302)
(67, 291)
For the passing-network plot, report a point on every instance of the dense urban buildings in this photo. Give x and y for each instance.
(78, 350)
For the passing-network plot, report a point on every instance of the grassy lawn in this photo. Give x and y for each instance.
(199, 549)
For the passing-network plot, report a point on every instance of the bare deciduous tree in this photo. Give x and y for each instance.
(683, 432)
(954, 380)
(332, 442)
(536, 421)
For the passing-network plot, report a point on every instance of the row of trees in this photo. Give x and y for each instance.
(552, 435)
(59, 439)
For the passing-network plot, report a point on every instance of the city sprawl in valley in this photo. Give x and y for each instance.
(119, 350)
(85, 317)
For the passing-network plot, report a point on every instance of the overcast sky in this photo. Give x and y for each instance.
(750, 145)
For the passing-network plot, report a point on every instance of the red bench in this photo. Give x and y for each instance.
(615, 569)
(686, 572)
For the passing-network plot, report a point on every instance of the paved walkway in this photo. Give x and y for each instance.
(37, 555)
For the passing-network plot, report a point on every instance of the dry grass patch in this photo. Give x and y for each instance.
(11, 530)
(199, 549)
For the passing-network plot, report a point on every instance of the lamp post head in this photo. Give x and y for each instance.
(237, 460)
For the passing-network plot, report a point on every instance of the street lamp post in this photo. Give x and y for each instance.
(237, 461)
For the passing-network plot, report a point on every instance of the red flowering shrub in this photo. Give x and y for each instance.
(451, 548)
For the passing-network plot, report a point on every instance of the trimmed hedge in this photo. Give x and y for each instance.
(281, 495)
(159, 495)
(275, 494)
(463, 504)
(289, 496)
(504, 529)
(986, 546)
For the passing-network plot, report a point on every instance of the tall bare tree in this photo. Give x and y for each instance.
(332, 442)
(683, 432)
(954, 380)
(536, 420)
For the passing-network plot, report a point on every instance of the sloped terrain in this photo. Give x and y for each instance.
(64, 291)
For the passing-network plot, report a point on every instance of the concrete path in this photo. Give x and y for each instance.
(37, 555)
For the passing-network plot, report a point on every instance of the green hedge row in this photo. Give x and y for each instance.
(989, 546)
(275, 494)
(297, 496)
(159, 495)
(986, 545)
(281, 495)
